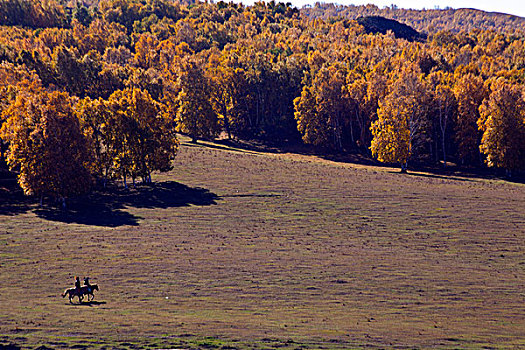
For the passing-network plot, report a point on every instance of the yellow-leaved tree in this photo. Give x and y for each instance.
(141, 135)
(46, 145)
(228, 88)
(502, 121)
(401, 127)
(195, 113)
(323, 109)
(146, 55)
(99, 126)
(445, 105)
(356, 90)
(470, 92)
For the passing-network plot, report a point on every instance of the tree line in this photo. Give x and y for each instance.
(96, 91)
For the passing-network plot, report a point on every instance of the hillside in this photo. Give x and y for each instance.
(427, 21)
(247, 250)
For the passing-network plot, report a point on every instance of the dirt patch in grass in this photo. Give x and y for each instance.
(242, 249)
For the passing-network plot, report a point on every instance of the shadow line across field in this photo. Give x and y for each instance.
(452, 172)
(107, 208)
(434, 176)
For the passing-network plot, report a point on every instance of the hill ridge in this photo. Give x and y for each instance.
(426, 20)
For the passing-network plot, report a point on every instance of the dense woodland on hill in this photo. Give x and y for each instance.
(93, 91)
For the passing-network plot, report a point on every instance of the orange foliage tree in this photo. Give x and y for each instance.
(502, 122)
(46, 145)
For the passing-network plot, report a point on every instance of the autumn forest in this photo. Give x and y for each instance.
(96, 91)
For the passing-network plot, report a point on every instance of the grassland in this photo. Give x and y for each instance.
(239, 249)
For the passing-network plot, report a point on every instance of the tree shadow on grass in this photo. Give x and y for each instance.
(12, 199)
(107, 208)
(109, 214)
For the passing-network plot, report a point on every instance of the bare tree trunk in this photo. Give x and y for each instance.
(361, 125)
(337, 131)
(444, 151)
(352, 133)
(227, 123)
(106, 177)
(443, 116)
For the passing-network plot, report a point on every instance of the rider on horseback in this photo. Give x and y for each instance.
(86, 283)
(78, 291)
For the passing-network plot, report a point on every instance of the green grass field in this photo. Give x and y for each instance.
(239, 249)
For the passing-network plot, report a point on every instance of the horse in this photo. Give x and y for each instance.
(88, 290)
(73, 292)
(84, 290)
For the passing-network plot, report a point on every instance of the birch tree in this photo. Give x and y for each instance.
(402, 124)
(46, 146)
(502, 121)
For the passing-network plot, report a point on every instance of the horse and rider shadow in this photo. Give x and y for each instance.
(90, 303)
(80, 291)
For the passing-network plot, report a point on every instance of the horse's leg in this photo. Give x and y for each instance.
(70, 298)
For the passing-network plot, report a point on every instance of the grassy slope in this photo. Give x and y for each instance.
(261, 250)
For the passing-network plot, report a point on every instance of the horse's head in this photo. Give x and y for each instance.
(94, 286)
